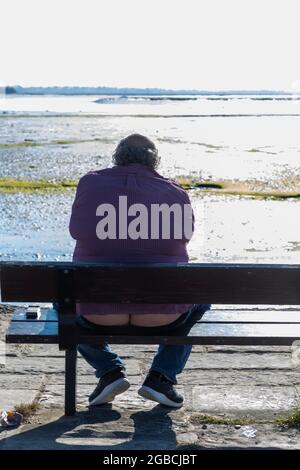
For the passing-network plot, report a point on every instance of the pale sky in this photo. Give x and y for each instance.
(202, 44)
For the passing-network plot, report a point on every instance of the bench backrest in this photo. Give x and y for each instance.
(150, 283)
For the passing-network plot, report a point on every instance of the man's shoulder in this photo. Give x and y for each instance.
(96, 174)
(173, 186)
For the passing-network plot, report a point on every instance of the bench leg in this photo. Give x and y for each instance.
(70, 382)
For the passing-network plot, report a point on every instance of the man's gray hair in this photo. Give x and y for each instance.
(136, 148)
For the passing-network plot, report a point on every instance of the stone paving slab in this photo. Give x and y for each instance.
(240, 361)
(252, 378)
(15, 382)
(204, 377)
(248, 400)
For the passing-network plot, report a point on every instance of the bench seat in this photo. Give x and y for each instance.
(256, 327)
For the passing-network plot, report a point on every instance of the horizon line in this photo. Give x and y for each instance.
(154, 88)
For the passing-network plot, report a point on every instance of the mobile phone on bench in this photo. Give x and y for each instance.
(33, 312)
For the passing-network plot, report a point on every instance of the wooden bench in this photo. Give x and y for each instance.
(66, 283)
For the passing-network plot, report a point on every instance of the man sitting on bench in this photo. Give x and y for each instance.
(130, 213)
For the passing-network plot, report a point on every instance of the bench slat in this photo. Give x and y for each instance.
(34, 331)
(256, 334)
(196, 340)
(203, 329)
(271, 334)
(155, 283)
(237, 316)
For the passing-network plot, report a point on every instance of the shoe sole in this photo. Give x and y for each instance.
(110, 391)
(150, 394)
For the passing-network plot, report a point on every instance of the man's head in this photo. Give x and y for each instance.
(136, 148)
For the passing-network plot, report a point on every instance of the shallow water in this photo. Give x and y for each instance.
(243, 138)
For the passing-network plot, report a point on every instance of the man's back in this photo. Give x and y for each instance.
(105, 231)
(130, 213)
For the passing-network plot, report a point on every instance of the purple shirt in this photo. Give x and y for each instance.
(141, 185)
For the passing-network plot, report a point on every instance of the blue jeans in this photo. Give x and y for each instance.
(169, 359)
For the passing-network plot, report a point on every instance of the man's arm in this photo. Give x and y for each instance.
(79, 214)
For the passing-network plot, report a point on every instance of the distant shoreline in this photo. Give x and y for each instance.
(113, 91)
